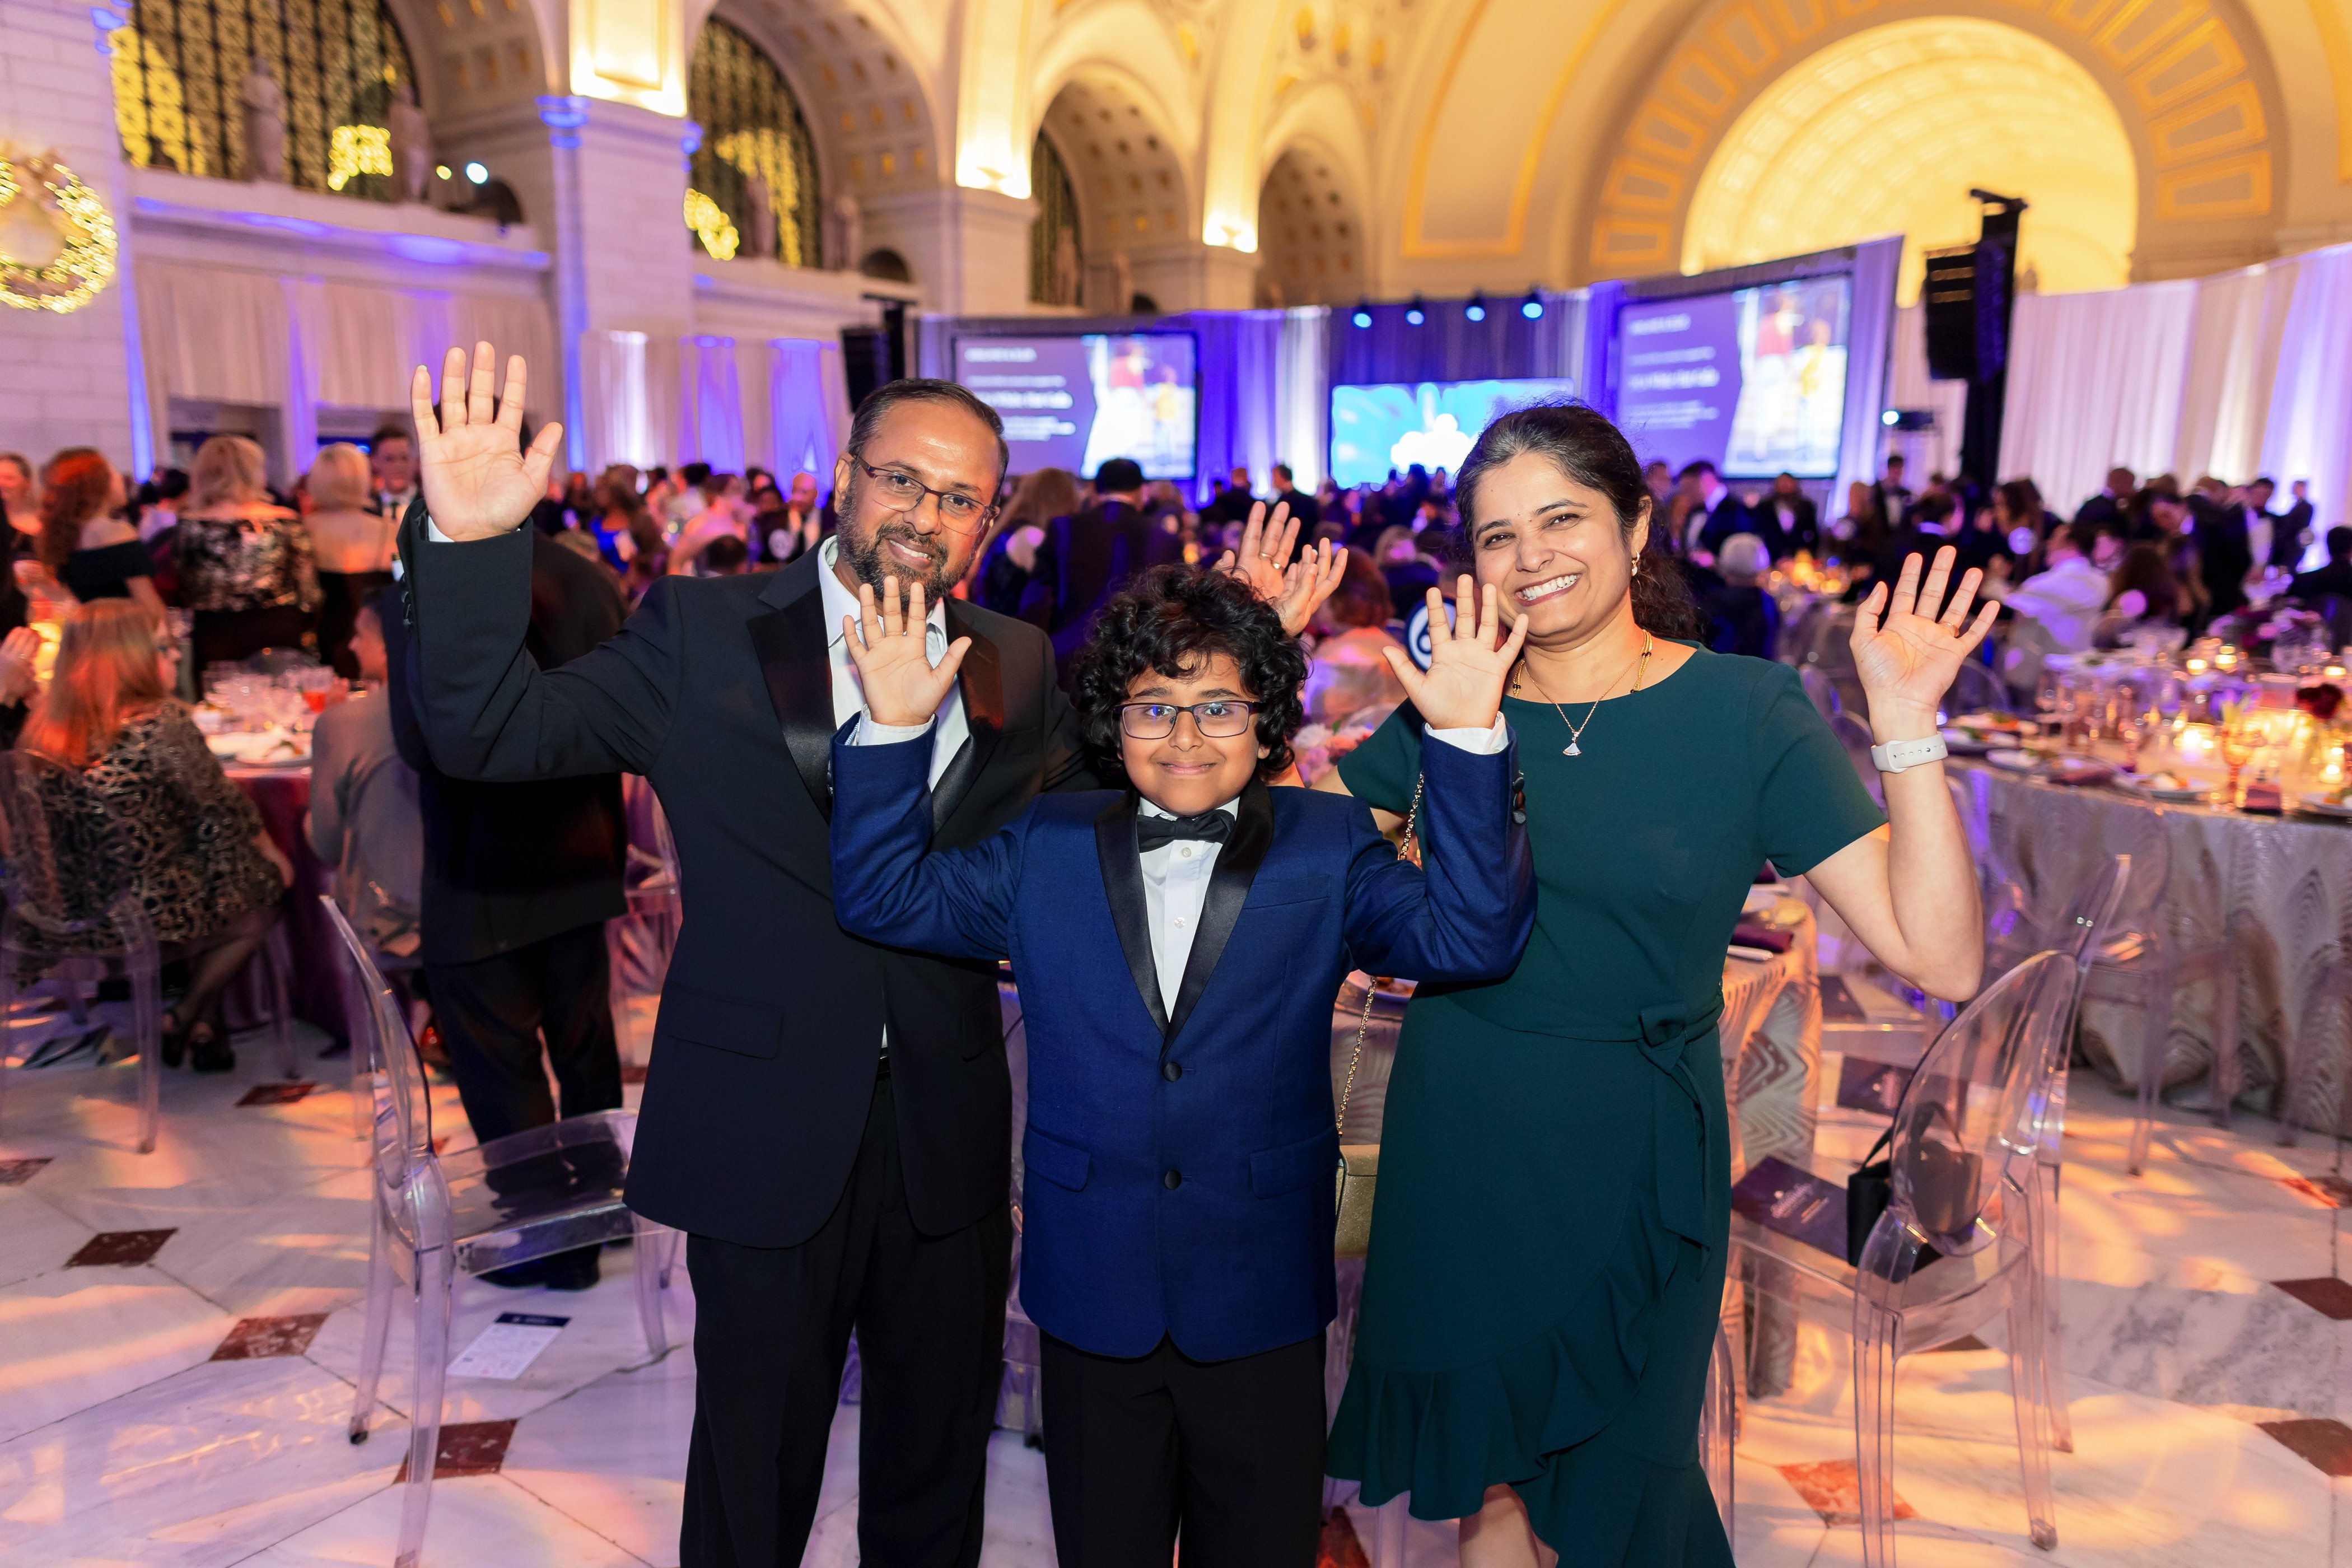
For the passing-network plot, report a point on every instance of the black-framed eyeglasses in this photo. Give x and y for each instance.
(899, 491)
(1220, 720)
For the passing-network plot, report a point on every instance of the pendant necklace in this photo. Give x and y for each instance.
(1640, 667)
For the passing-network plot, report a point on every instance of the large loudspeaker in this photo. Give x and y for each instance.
(865, 361)
(1966, 291)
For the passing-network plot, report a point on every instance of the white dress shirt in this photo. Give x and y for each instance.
(2067, 601)
(1176, 876)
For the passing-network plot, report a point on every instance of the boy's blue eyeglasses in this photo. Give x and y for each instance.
(900, 491)
(1220, 720)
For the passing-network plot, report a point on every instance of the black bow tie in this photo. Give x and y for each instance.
(1158, 831)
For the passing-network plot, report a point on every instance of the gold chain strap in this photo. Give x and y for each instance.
(1408, 848)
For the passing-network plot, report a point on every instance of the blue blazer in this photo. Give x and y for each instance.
(1180, 1163)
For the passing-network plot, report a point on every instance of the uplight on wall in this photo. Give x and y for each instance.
(478, 173)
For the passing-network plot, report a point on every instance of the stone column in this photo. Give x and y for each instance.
(968, 249)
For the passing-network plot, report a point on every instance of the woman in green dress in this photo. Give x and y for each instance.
(1548, 1251)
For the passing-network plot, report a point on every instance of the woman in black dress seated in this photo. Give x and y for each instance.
(199, 861)
(84, 540)
(351, 545)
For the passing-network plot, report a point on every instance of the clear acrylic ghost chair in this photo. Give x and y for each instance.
(73, 911)
(525, 1196)
(1965, 1155)
(1977, 690)
(650, 883)
(1718, 1426)
(2137, 960)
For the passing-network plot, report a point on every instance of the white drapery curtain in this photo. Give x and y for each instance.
(808, 407)
(710, 405)
(1302, 403)
(620, 421)
(2132, 346)
(1936, 450)
(2233, 376)
(296, 343)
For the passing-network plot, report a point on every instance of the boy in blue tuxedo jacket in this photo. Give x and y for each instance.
(1178, 945)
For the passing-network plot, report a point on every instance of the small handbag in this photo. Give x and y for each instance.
(1944, 1187)
(1359, 1163)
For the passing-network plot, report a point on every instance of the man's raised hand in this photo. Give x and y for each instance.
(902, 688)
(477, 480)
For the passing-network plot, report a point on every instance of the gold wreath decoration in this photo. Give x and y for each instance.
(38, 194)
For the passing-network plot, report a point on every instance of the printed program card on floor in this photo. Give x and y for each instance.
(508, 1347)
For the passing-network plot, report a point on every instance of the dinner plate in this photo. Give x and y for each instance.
(2012, 759)
(2147, 791)
(1962, 745)
(2321, 805)
(249, 750)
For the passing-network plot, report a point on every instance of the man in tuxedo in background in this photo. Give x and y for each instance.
(1715, 513)
(2335, 579)
(828, 1119)
(1796, 520)
(2295, 522)
(518, 881)
(1302, 507)
(1085, 559)
(1232, 502)
(1893, 496)
(2224, 545)
(392, 463)
(2110, 504)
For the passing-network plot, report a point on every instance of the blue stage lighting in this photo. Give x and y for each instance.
(1533, 309)
(1363, 316)
(1414, 315)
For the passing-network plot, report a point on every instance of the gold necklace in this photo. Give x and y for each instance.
(1640, 667)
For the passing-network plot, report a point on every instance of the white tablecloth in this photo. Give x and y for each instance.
(2278, 888)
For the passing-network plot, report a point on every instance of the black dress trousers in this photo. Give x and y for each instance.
(494, 1011)
(1229, 1454)
(771, 1331)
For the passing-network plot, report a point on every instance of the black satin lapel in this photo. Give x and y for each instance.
(1122, 873)
(792, 643)
(1229, 887)
(980, 681)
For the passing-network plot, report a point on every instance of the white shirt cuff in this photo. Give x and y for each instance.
(1477, 743)
(433, 532)
(869, 733)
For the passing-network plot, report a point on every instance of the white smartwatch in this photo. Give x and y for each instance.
(1897, 756)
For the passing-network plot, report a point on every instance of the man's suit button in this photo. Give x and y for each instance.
(1172, 1180)
(1170, 1072)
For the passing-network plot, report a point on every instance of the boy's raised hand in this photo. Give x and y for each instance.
(1295, 591)
(902, 686)
(1468, 666)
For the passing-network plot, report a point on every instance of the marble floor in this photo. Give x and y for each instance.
(179, 1330)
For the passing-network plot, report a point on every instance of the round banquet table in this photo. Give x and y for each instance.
(2278, 889)
(282, 795)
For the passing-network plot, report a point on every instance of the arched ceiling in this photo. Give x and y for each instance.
(1885, 132)
(1132, 187)
(868, 103)
(1310, 238)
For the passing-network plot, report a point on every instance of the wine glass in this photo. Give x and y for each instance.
(2238, 746)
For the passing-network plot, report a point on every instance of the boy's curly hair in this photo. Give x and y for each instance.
(1169, 620)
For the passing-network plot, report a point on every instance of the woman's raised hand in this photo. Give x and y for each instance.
(902, 686)
(1906, 661)
(477, 480)
(1469, 662)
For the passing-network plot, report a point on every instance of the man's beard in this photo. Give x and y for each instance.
(873, 562)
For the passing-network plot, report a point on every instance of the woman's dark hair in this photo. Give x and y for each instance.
(2023, 499)
(1586, 448)
(1362, 597)
(1171, 619)
(2144, 569)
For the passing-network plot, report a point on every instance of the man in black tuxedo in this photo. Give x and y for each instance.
(2333, 580)
(2224, 547)
(828, 1119)
(518, 881)
(1302, 507)
(1232, 502)
(1716, 513)
(2108, 506)
(2292, 529)
(1796, 522)
(1085, 559)
(1893, 496)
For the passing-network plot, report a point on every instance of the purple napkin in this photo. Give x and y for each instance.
(1747, 934)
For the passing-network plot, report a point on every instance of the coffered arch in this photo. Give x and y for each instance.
(2190, 81)
(1134, 191)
